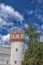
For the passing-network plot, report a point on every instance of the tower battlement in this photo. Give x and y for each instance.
(17, 36)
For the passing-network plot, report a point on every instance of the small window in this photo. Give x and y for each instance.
(21, 35)
(7, 62)
(12, 35)
(16, 49)
(15, 62)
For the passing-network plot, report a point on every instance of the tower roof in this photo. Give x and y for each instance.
(16, 34)
(16, 28)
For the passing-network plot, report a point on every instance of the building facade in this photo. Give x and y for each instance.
(5, 55)
(17, 47)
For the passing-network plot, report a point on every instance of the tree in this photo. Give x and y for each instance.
(31, 31)
(34, 55)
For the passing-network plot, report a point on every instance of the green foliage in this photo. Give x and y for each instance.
(34, 55)
(31, 31)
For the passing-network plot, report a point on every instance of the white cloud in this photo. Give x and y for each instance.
(35, 24)
(39, 1)
(5, 37)
(40, 17)
(37, 13)
(30, 12)
(42, 27)
(26, 47)
(5, 9)
(8, 16)
(2, 22)
(41, 38)
(26, 25)
(0, 38)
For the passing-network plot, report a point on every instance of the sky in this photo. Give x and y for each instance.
(20, 13)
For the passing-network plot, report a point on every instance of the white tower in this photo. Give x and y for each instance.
(17, 47)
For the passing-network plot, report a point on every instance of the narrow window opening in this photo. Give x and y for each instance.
(16, 49)
(7, 62)
(15, 62)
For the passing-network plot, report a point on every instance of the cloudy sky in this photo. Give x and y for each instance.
(20, 13)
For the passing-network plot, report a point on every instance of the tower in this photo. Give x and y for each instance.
(17, 47)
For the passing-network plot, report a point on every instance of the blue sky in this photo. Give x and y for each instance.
(20, 13)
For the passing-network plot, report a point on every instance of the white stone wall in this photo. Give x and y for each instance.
(5, 55)
(17, 55)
